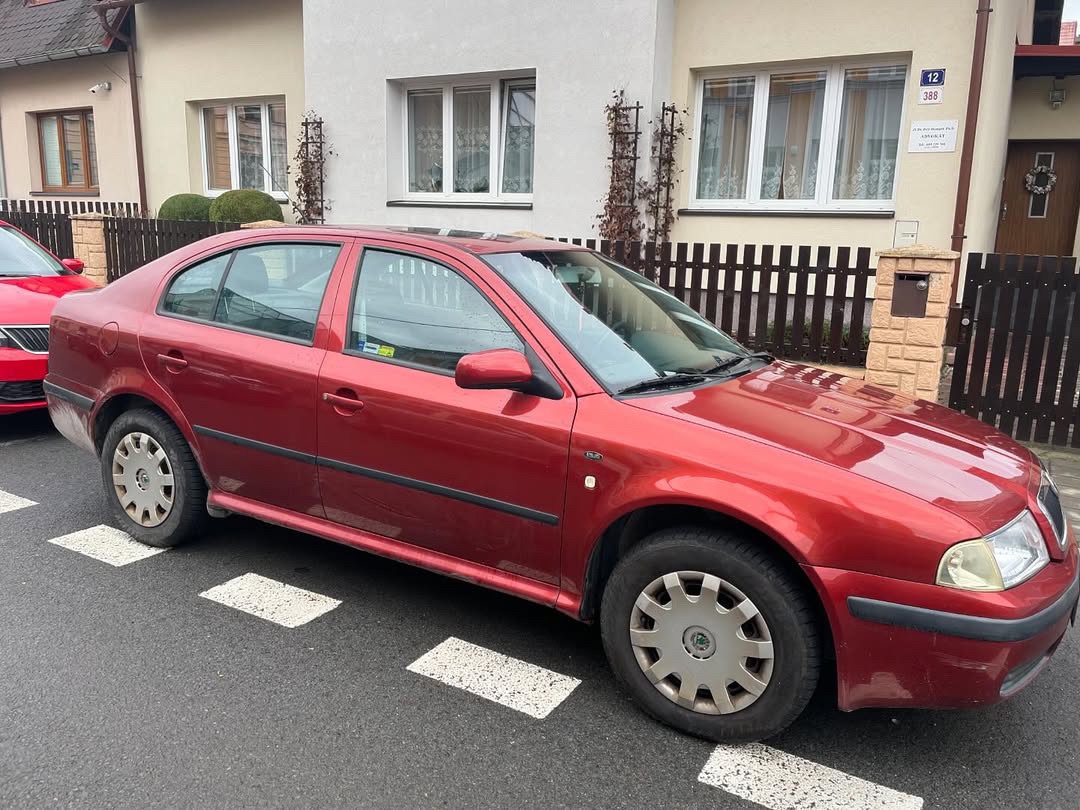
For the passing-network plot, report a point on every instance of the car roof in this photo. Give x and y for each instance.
(478, 242)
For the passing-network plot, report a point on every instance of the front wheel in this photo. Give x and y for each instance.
(711, 635)
(152, 482)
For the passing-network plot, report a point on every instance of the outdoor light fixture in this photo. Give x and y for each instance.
(1057, 95)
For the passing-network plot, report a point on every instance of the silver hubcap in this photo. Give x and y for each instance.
(701, 642)
(143, 479)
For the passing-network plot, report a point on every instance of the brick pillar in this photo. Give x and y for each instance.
(906, 353)
(88, 236)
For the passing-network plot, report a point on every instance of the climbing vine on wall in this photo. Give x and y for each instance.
(309, 204)
(620, 216)
(657, 193)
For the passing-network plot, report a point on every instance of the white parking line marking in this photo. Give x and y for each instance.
(271, 600)
(513, 683)
(9, 502)
(782, 781)
(106, 544)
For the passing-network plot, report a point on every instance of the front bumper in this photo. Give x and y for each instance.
(21, 374)
(914, 645)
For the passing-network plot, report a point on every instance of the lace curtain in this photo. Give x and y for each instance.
(726, 109)
(869, 133)
(472, 140)
(518, 141)
(425, 141)
(793, 136)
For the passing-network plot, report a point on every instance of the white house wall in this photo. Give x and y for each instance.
(580, 52)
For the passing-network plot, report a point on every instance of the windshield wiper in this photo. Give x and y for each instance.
(670, 381)
(732, 362)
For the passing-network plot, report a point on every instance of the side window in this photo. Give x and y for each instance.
(193, 292)
(277, 288)
(420, 312)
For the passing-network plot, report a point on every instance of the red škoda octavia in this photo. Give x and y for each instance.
(534, 418)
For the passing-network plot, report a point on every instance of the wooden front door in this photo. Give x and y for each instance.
(1040, 224)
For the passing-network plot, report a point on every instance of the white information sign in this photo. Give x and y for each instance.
(933, 136)
(931, 95)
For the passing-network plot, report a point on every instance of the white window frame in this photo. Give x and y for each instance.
(499, 88)
(234, 151)
(830, 133)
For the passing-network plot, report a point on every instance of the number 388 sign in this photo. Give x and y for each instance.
(931, 95)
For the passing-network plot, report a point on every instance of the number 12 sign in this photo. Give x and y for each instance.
(935, 77)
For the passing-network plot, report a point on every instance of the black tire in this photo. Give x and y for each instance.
(755, 571)
(188, 514)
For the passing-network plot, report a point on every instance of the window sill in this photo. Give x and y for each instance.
(772, 212)
(513, 206)
(66, 193)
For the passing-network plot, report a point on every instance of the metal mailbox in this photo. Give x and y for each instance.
(910, 292)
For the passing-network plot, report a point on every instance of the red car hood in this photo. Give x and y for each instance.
(920, 448)
(30, 299)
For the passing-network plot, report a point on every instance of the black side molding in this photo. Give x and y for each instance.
(962, 625)
(446, 492)
(86, 403)
(272, 449)
(379, 475)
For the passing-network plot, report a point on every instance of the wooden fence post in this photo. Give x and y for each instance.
(906, 353)
(88, 238)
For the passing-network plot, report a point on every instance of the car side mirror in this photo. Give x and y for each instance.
(74, 265)
(496, 368)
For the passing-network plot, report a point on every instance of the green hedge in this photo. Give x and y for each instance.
(186, 206)
(245, 205)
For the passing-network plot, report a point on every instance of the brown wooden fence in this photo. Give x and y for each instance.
(51, 230)
(1018, 358)
(800, 303)
(38, 206)
(131, 242)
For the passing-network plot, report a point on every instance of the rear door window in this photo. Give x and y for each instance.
(271, 288)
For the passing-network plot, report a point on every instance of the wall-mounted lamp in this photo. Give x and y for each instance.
(1057, 95)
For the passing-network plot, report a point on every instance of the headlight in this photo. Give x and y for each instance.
(1009, 556)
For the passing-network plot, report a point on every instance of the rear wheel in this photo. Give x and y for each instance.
(711, 635)
(152, 482)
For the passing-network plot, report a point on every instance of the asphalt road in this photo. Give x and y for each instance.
(122, 687)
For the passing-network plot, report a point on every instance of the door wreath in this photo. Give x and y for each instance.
(1040, 180)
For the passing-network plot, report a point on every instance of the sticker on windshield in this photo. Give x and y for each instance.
(386, 351)
(370, 348)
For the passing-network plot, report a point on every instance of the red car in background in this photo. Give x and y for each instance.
(533, 417)
(31, 281)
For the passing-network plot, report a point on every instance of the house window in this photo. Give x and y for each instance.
(244, 146)
(470, 139)
(821, 138)
(68, 151)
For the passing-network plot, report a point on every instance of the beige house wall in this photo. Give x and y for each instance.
(64, 85)
(192, 51)
(719, 34)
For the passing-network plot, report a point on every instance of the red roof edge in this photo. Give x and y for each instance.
(1064, 51)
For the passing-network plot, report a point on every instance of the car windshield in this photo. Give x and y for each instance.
(22, 256)
(625, 329)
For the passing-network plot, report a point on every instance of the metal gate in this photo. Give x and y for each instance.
(1018, 356)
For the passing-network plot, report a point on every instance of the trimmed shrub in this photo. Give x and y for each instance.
(186, 206)
(245, 205)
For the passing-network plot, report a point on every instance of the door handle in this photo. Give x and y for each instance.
(345, 405)
(173, 362)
